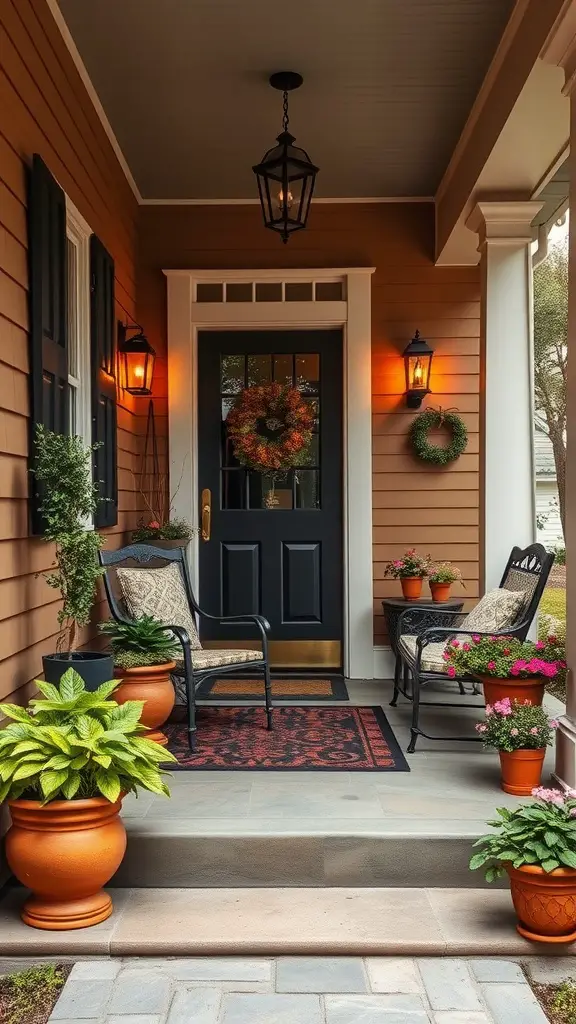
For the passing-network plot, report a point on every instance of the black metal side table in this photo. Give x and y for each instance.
(393, 608)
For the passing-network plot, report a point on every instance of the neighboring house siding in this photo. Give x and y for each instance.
(414, 504)
(550, 534)
(44, 108)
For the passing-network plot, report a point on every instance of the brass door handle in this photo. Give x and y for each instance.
(206, 513)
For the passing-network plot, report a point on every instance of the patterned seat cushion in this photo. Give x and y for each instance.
(432, 660)
(160, 593)
(218, 659)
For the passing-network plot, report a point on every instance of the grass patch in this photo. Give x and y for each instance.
(553, 602)
(558, 1001)
(28, 997)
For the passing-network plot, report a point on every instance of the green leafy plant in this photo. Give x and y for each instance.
(68, 502)
(444, 572)
(172, 529)
(144, 641)
(74, 743)
(412, 564)
(27, 997)
(563, 1004)
(516, 725)
(504, 657)
(542, 832)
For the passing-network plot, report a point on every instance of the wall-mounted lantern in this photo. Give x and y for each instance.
(135, 360)
(417, 365)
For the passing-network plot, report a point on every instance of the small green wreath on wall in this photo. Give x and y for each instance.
(432, 419)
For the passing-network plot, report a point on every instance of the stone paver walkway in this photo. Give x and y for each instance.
(299, 990)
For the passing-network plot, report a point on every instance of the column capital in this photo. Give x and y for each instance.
(560, 46)
(504, 223)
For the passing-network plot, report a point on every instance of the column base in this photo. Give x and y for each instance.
(565, 770)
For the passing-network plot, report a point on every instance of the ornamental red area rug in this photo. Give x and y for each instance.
(303, 739)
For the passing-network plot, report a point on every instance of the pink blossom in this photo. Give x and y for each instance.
(540, 645)
(454, 643)
(465, 647)
(554, 724)
(552, 639)
(476, 638)
(503, 707)
(446, 656)
(491, 666)
(534, 730)
(398, 563)
(561, 664)
(549, 796)
(513, 732)
(481, 727)
(451, 671)
(518, 667)
(506, 650)
(489, 710)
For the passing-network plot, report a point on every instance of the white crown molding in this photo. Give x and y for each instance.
(560, 46)
(81, 69)
(316, 201)
(508, 36)
(278, 274)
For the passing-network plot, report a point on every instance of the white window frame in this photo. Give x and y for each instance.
(78, 232)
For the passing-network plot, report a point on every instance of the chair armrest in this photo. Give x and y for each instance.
(259, 621)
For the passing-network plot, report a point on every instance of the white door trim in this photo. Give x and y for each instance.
(353, 313)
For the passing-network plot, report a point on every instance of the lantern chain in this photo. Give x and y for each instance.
(285, 118)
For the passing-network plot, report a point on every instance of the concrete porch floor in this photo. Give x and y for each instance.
(326, 828)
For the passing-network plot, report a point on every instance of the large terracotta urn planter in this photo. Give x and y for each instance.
(65, 851)
(152, 684)
(545, 904)
(440, 591)
(411, 587)
(521, 770)
(531, 690)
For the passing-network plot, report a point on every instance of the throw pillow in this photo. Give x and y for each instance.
(160, 593)
(497, 610)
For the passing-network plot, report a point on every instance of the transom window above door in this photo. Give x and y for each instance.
(298, 488)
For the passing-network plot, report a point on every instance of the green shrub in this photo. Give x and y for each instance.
(73, 743)
(542, 832)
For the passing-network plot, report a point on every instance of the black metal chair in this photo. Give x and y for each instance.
(138, 555)
(527, 570)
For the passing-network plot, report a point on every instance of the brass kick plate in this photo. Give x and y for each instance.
(291, 653)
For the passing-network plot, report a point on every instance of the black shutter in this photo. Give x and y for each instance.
(103, 359)
(49, 398)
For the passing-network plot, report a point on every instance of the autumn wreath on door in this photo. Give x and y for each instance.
(270, 426)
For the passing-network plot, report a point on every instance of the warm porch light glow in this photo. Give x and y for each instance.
(135, 361)
(417, 364)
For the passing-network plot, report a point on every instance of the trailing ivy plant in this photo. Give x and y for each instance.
(542, 833)
(144, 641)
(69, 501)
(71, 743)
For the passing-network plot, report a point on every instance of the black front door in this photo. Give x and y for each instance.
(275, 545)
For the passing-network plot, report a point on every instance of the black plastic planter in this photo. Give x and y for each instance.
(94, 667)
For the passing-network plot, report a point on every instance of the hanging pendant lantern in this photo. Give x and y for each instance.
(286, 175)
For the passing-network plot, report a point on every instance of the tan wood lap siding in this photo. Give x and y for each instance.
(414, 504)
(44, 108)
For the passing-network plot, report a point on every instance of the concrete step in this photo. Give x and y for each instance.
(277, 922)
(176, 852)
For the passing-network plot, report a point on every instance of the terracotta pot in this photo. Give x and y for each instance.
(440, 591)
(521, 770)
(65, 851)
(152, 684)
(531, 689)
(545, 904)
(411, 587)
(166, 545)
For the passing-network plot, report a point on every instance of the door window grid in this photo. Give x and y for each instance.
(245, 489)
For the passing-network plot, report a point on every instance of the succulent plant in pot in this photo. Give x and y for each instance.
(441, 576)
(144, 654)
(520, 732)
(66, 762)
(536, 845)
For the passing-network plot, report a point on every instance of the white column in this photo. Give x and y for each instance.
(508, 486)
(566, 735)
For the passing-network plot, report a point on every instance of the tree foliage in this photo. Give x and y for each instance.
(550, 355)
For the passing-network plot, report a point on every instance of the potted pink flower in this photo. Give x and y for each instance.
(506, 666)
(410, 570)
(520, 732)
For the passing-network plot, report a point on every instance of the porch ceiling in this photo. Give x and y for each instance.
(388, 85)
